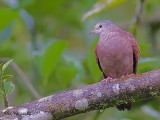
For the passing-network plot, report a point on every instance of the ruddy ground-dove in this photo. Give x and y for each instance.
(117, 52)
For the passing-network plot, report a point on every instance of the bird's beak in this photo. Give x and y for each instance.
(93, 31)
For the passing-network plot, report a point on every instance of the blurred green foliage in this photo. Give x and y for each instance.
(55, 50)
(93, 68)
(49, 41)
(6, 86)
(7, 16)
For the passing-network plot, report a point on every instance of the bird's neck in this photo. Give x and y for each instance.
(104, 35)
(110, 31)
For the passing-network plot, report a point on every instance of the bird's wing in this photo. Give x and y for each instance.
(97, 59)
(98, 62)
(136, 52)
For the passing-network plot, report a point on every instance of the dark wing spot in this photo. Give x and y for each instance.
(99, 65)
(134, 63)
(101, 68)
(100, 26)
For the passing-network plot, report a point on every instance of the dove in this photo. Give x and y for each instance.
(117, 53)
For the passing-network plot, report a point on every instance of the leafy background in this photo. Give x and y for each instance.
(49, 41)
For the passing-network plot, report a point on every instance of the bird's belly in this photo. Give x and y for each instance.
(116, 59)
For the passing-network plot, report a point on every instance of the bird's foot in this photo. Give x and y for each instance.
(127, 75)
(124, 76)
(132, 74)
(107, 79)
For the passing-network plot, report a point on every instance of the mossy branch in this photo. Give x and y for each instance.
(97, 96)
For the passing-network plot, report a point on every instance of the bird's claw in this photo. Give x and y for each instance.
(107, 79)
(127, 75)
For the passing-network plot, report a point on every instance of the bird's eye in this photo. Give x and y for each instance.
(100, 26)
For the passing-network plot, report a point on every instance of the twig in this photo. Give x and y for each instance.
(23, 76)
(138, 16)
(97, 96)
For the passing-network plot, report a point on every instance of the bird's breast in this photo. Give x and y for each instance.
(114, 47)
(115, 55)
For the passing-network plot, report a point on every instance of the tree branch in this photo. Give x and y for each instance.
(97, 96)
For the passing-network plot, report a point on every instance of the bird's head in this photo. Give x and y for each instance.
(101, 26)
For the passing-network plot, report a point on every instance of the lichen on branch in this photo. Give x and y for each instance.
(97, 96)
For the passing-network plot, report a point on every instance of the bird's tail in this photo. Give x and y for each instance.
(124, 106)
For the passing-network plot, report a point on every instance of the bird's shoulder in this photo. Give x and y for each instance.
(135, 46)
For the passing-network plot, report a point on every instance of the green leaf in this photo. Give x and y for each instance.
(114, 3)
(51, 56)
(93, 67)
(148, 64)
(150, 5)
(24, 3)
(6, 77)
(6, 65)
(102, 5)
(37, 60)
(9, 87)
(6, 33)
(144, 47)
(74, 63)
(65, 75)
(7, 16)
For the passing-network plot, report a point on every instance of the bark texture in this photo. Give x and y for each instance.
(97, 96)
